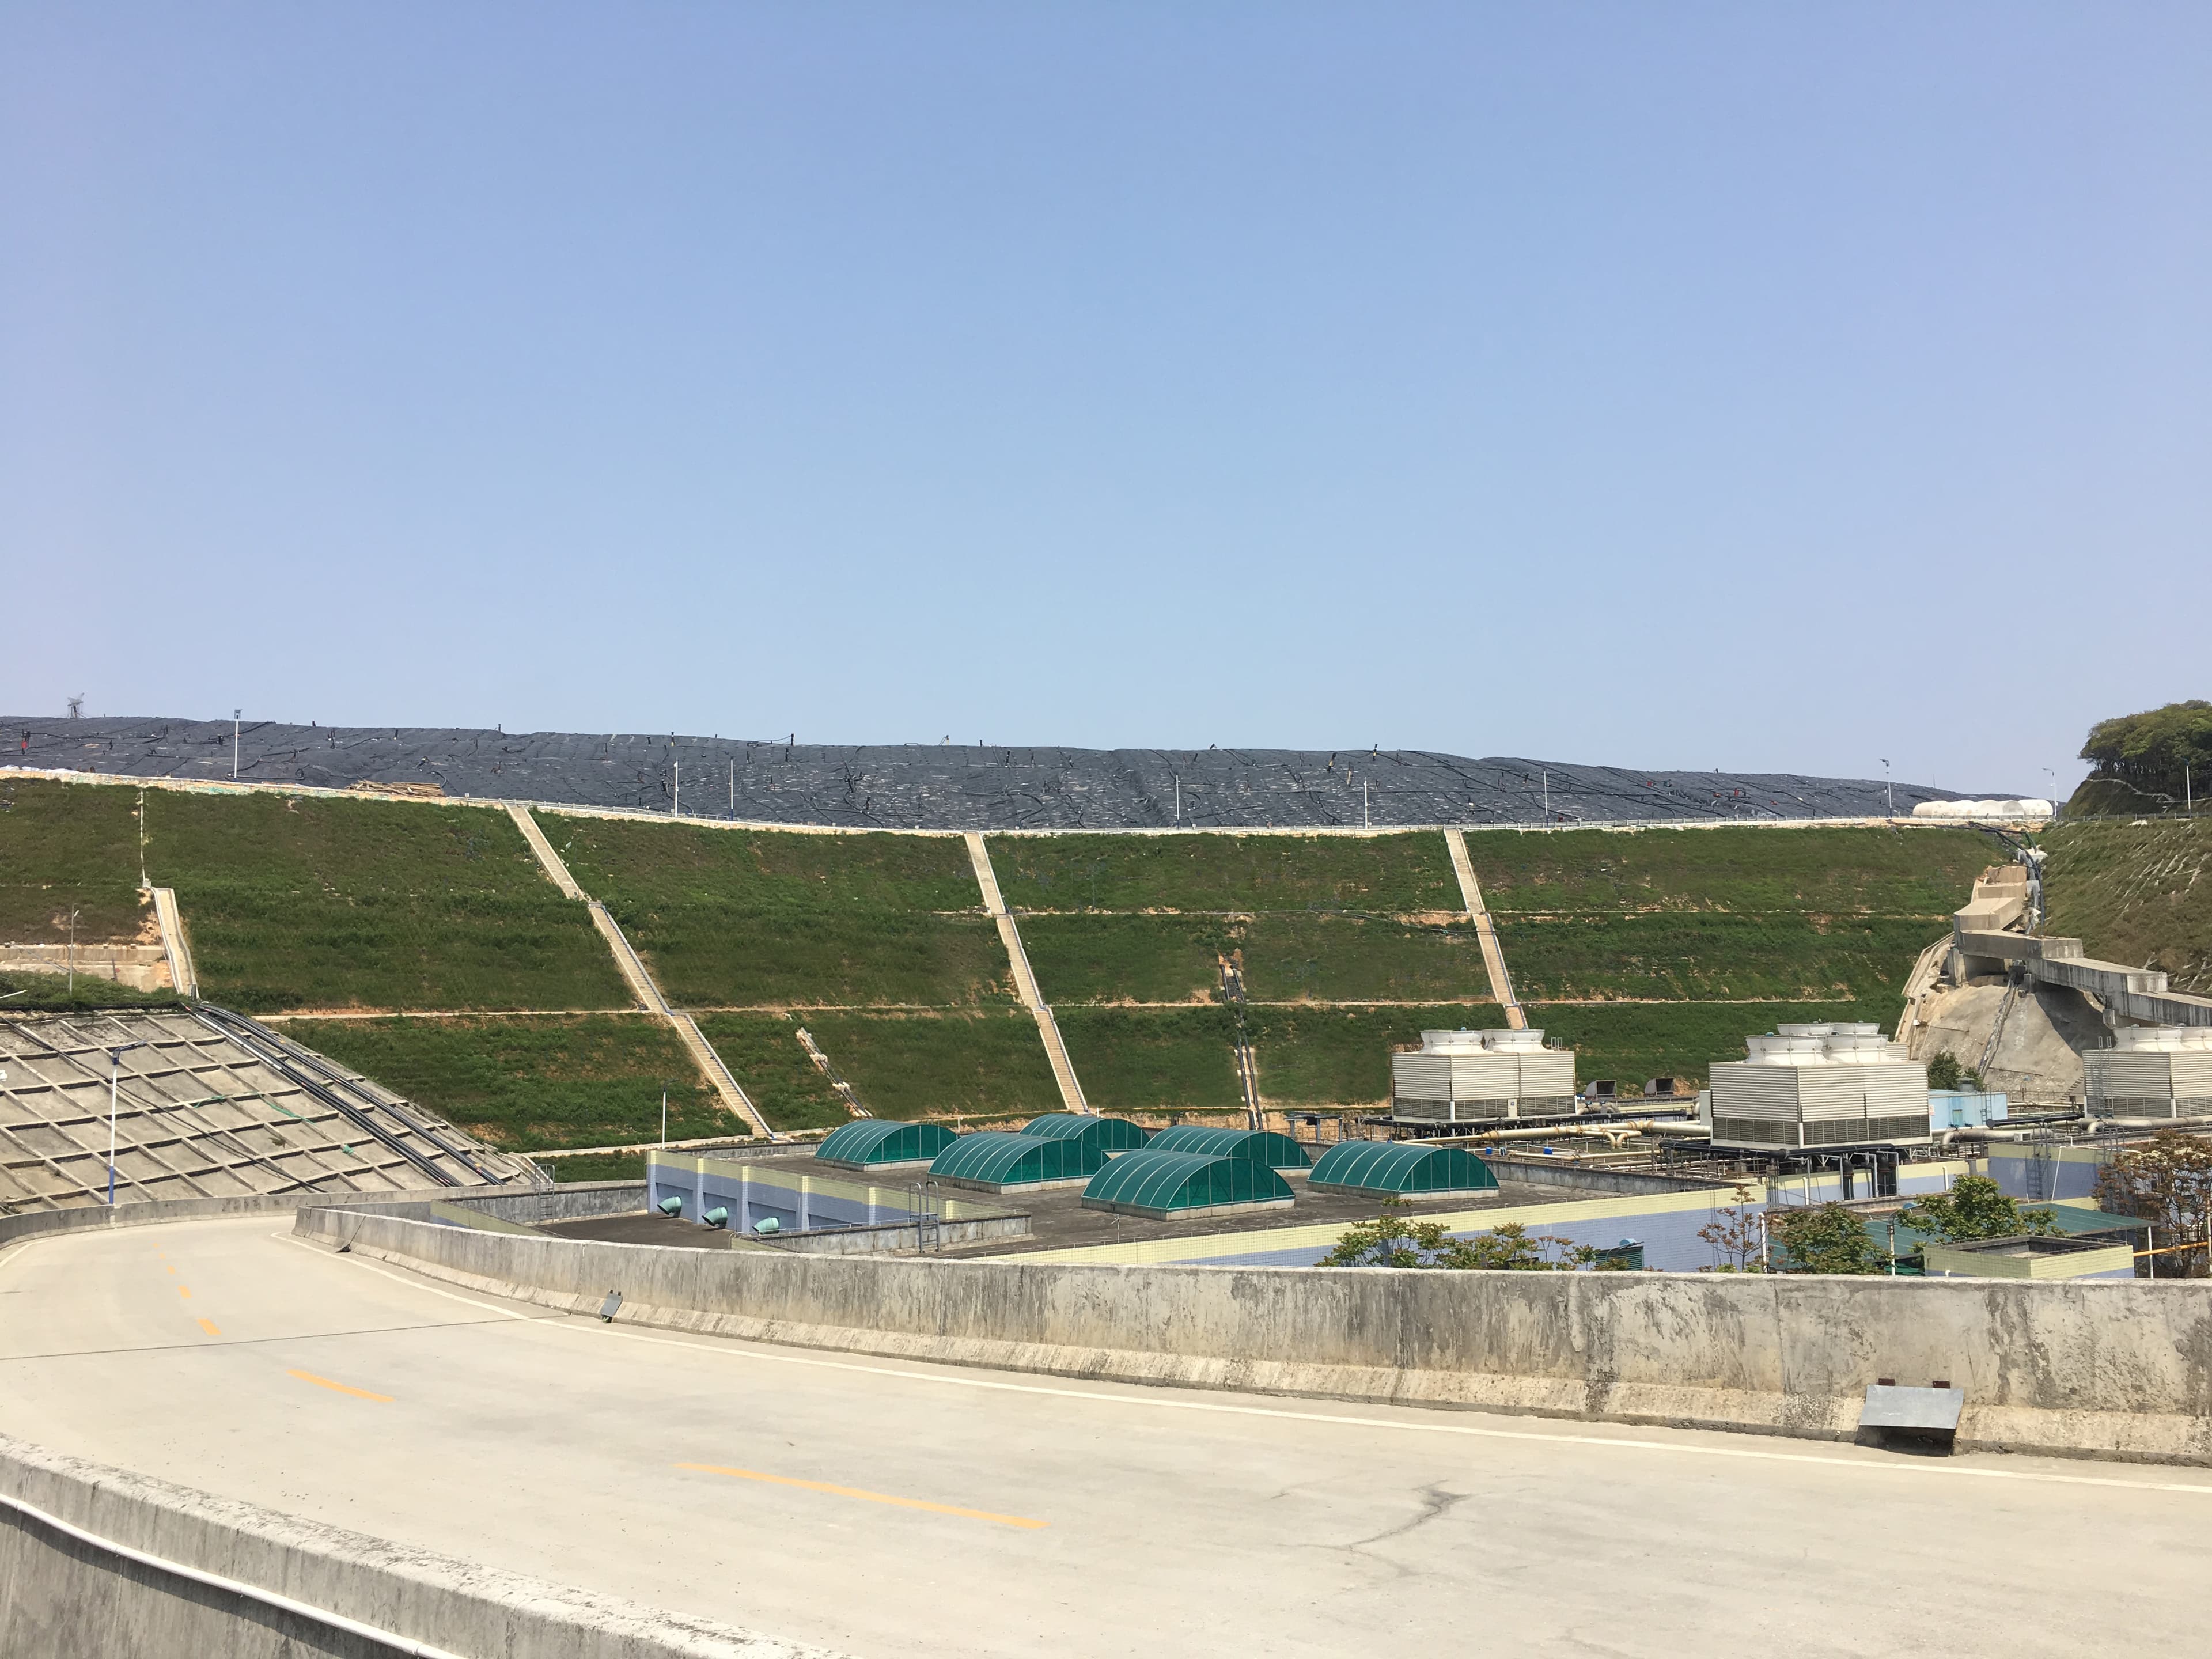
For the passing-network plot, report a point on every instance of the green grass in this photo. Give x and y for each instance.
(2141, 897)
(1138, 1059)
(762, 1052)
(1632, 1042)
(65, 846)
(50, 993)
(1323, 1057)
(763, 919)
(1877, 871)
(533, 1080)
(1127, 959)
(980, 1063)
(1385, 875)
(1693, 956)
(302, 902)
(1360, 959)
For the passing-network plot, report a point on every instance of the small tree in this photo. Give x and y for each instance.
(1393, 1239)
(2168, 1182)
(1975, 1207)
(1735, 1234)
(1945, 1071)
(1823, 1238)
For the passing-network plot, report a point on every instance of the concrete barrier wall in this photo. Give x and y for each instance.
(2113, 1369)
(91, 1217)
(62, 1597)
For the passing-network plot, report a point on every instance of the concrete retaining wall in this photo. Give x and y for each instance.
(2113, 1369)
(62, 1598)
(1591, 1178)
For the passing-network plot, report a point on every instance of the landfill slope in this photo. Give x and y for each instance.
(907, 787)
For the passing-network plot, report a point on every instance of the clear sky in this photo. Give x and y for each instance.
(1747, 385)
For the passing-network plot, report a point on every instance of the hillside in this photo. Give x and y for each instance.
(420, 942)
(2140, 894)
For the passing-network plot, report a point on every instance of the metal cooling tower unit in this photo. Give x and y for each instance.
(1479, 1077)
(2152, 1071)
(1820, 1086)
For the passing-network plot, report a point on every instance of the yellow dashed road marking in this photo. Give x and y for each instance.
(869, 1496)
(208, 1325)
(340, 1388)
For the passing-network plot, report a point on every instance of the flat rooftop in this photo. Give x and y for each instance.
(1058, 1220)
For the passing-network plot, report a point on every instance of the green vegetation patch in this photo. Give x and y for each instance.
(50, 994)
(2141, 896)
(1874, 871)
(1696, 956)
(64, 846)
(1361, 959)
(1341, 1056)
(731, 918)
(1153, 1058)
(1385, 875)
(535, 1079)
(979, 1063)
(1633, 1041)
(1127, 959)
(763, 1053)
(307, 902)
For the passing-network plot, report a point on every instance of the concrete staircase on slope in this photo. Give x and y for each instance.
(1025, 985)
(1494, 958)
(641, 982)
(182, 974)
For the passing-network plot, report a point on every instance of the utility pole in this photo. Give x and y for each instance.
(72, 954)
(676, 800)
(235, 715)
(143, 883)
(1366, 819)
(1889, 788)
(664, 1117)
(733, 789)
(1546, 771)
(1178, 783)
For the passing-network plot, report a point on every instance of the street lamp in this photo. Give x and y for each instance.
(236, 715)
(114, 1070)
(1889, 788)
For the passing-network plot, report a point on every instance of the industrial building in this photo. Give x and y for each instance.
(1464, 1076)
(2152, 1071)
(1819, 1086)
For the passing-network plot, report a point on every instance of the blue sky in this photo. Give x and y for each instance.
(1689, 385)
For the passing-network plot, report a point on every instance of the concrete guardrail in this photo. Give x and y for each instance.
(2112, 1368)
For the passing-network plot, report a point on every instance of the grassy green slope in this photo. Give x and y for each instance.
(975, 1062)
(1842, 872)
(26, 993)
(318, 903)
(539, 1080)
(2137, 895)
(1385, 875)
(766, 919)
(762, 1051)
(1153, 1058)
(66, 845)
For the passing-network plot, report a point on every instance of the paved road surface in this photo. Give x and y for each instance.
(888, 1508)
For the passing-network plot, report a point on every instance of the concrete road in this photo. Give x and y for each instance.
(888, 1509)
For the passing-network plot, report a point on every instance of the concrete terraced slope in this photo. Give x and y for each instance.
(942, 787)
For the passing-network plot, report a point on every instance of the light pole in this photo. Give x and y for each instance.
(1889, 788)
(235, 715)
(114, 1071)
(72, 954)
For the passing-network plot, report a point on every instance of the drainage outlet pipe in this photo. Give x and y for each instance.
(671, 1205)
(717, 1217)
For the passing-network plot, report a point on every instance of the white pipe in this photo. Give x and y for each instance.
(232, 1587)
